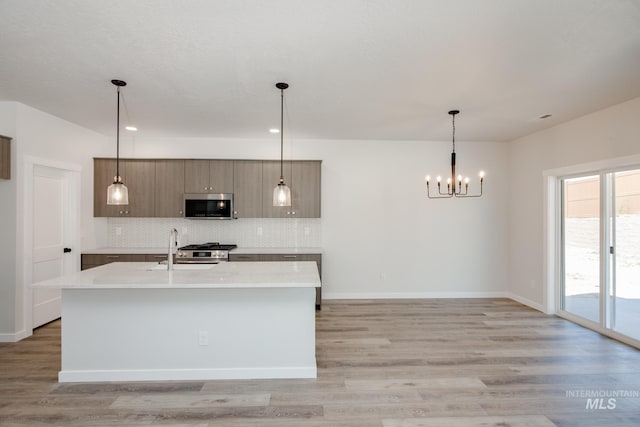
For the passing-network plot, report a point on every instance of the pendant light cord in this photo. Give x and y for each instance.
(118, 140)
(281, 133)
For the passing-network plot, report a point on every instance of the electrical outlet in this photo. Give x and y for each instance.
(203, 338)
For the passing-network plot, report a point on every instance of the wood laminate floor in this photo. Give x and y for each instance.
(391, 363)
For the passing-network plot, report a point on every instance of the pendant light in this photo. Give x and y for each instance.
(282, 193)
(453, 190)
(117, 193)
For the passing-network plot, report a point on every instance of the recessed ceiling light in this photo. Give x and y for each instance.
(274, 130)
(131, 128)
(545, 116)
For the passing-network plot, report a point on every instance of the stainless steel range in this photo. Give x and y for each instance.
(205, 253)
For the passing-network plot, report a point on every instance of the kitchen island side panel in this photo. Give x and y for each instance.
(187, 334)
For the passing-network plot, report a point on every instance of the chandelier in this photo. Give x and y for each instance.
(454, 184)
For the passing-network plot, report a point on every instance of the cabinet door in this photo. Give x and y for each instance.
(170, 186)
(221, 176)
(196, 176)
(245, 257)
(103, 172)
(5, 157)
(141, 181)
(270, 178)
(247, 188)
(305, 189)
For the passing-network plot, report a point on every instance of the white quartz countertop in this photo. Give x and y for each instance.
(141, 275)
(239, 250)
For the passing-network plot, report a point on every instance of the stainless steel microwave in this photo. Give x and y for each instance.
(208, 206)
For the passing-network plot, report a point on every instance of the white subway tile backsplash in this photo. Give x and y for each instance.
(258, 232)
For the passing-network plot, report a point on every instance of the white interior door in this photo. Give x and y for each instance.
(49, 199)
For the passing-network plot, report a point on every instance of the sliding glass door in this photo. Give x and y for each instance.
(601, 249)
(625, 253)
(581, 246)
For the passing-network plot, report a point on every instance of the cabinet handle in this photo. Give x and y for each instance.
(126, 212)
(206, 188)
(121, 212)
(180, 212)
(293, 213)
(112, 256)
(210, 188)
(289, 256)
(160, 256)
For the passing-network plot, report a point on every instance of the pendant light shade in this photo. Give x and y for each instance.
(282, 193)
(117, 193)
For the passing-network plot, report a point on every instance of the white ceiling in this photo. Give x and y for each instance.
(358, 69)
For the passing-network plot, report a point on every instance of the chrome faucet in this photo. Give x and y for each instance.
(173, 244)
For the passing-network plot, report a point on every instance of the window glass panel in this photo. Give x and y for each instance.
(625, 288)
(581, 246)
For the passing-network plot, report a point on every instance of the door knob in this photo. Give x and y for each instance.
(66, 250)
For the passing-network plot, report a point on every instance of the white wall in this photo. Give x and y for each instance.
(381, 236)
(43, 136)
(8, 230)
(607, 134)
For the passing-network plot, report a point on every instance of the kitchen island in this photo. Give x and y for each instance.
(137, 321)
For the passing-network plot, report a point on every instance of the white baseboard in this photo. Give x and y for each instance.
(526, 301)
(430, 295)
(412, 295)
(186, 374)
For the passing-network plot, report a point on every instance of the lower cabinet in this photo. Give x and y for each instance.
(284, 257)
